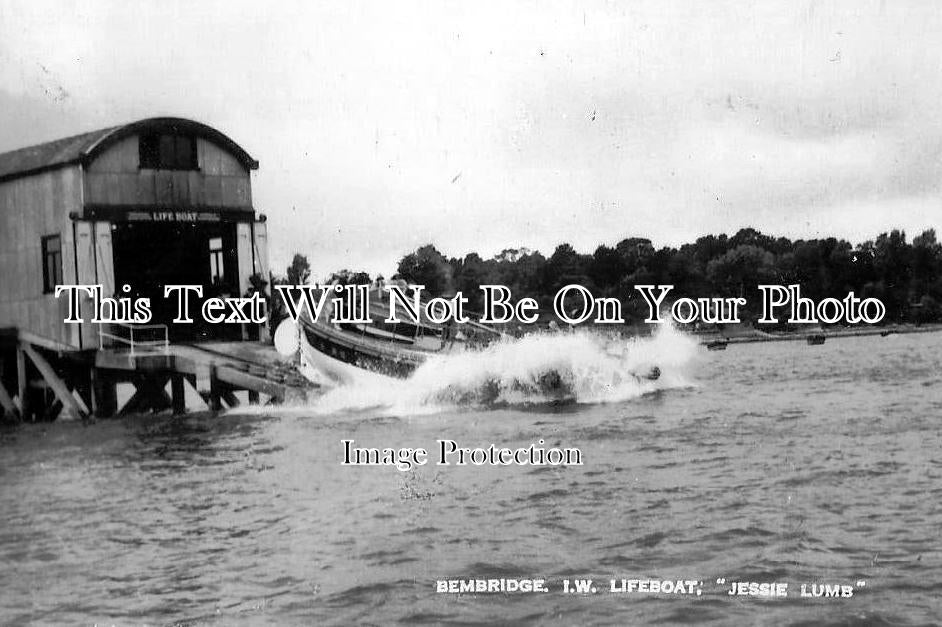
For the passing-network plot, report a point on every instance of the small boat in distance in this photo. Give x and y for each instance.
(816, 339)
(716, 345)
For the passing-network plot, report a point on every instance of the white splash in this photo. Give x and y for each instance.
(581, 367)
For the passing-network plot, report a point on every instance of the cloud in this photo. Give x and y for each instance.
(581, 123)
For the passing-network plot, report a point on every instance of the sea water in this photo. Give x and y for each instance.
(765, 463)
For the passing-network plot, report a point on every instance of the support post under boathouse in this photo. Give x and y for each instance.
(132, 208)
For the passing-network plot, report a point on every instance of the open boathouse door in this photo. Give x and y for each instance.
(151, 255)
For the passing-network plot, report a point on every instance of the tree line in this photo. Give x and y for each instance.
(905, 276)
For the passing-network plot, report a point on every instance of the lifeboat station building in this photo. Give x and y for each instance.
(157, 202)
(160, 201)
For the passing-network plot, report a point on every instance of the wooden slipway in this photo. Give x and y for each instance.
(41, 379)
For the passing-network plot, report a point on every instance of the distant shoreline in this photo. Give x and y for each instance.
(754, 335)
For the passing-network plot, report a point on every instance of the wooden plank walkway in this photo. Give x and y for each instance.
(85, 382)
(250, 366)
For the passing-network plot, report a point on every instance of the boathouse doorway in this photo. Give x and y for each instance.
(151, 255)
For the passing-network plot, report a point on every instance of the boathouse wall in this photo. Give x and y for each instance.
(117, 178)
(94, 201)
(33, 208)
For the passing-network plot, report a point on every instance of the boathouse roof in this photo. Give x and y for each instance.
(85, 147)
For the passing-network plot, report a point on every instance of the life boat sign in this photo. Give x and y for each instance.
(173, 216)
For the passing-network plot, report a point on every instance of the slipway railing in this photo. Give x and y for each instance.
(137, 337)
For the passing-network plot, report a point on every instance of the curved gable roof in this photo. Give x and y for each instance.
(85, 147)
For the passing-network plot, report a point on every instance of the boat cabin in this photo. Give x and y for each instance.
(157, 202)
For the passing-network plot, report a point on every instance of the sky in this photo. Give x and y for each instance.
(479, 126)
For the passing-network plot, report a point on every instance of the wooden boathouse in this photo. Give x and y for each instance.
(132, 208)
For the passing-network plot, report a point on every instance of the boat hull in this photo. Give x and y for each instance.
(326, 346)
(387, 359)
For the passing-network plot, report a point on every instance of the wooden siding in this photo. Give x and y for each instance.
(115, 178)
(261, 252)
(85, 266)
(30, 208)
(244, 255)
(95, 264)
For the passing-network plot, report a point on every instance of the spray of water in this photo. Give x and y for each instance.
(581, 367)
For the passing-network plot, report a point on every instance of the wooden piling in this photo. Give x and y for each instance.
(21, 383)
(104, 394)
(58, 386)
(6, 403)
(215, 392)
(178, 394)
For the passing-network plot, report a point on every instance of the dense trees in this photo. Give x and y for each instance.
(349, 277)
(299, 271)
(907, 277)
(426, 266)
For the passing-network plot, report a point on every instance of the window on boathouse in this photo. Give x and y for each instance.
(217, 271)
(52, 263)
(161, 151)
